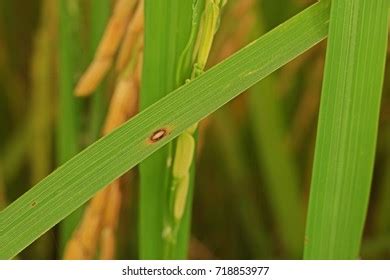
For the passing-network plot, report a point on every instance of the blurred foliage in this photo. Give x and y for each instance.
(233, 213)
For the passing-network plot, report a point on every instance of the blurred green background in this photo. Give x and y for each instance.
(254, 158)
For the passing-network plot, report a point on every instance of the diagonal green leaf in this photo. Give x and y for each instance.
(348, 123)
(80, 178)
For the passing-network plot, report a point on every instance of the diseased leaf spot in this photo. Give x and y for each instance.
(33, 204)
(158, 135)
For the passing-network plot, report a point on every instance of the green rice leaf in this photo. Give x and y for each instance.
(347, 129)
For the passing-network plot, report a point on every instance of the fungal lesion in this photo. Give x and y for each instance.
(158, 135)
(33, 204)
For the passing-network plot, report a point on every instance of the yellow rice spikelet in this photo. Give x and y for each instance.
(115, 29)
(123, 102)
(84, 241)
(113, 35)
(107, 244)
(138, 71)
(89, 236)
(133, 32)
(74, 251)
(92, 77)
(110, 222)
(113, 205)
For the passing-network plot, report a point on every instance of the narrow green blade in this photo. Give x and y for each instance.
(68, 105)
(80, 178)
(347, 128)
(281, 177)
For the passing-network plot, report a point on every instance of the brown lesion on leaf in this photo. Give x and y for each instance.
(158, 135)
(33, 204)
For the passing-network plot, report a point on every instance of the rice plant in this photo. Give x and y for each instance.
(194, 129)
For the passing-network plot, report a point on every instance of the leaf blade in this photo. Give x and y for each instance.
(347, 129)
